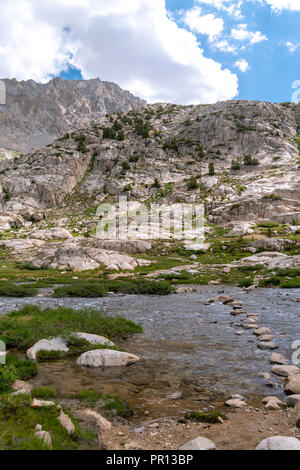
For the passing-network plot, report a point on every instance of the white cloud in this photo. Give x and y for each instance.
(292, 46)
(242, 65)
(203, 24)
(135, 44)
(224, 46)
(279, 5)
(241, 33)
(231, 7)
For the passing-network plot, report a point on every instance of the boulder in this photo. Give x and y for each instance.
(272, 405)
(50, 234)
(66, 422)
(241, 228)
(279, 443)
(285, 371)
(277, 358)
(19, 246)
(41, 403)
(45, 437)
(83, 258)
(267, 345)
(124, 246)
(200, 443)
(292, 400)
(266, 338)
(296, 415)
(235, 403)
(93, 339)
(102, 422)
(262, 331)
(106, 358)
(20, 386)
(292, 386)
(54, 344)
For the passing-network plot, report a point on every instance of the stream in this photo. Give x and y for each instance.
(188, 347)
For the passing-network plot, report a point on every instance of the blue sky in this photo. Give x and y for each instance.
(180, 51)
(274, 64)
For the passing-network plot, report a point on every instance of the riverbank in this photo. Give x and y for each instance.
(191, 359)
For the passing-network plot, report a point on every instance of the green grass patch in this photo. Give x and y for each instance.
(114, 406)
(246, 282)
(18, 425)
(46, 356)
(97, 289)
(22, 328)
(25, 369)
(89, 397)
(44, 393)
(200, 417)
(12, 290)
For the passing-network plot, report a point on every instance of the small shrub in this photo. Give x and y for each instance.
(8, 374)
(246, 282)
(89, 396)
(211, 418)
(192, 184)
(45, 356)
(211, 169)
(43, 392)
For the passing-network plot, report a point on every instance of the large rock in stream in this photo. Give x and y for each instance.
(106, 358)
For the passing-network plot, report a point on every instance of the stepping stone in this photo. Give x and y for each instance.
(277, 358)
(267, 345)
(266, 338)
(285, 371)
(262, 331)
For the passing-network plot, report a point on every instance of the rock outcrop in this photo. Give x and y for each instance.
(36, 113)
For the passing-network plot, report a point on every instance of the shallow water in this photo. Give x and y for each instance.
(186, 346)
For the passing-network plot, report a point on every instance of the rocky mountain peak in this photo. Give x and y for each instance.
(35, 113)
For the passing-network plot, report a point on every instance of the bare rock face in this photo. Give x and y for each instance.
(158, 152)
(106, 358)
(37, 113)
(83, 258)
(50, 234)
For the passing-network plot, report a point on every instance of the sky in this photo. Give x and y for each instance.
(179, 51)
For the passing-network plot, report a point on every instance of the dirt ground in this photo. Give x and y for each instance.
(243, 430)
